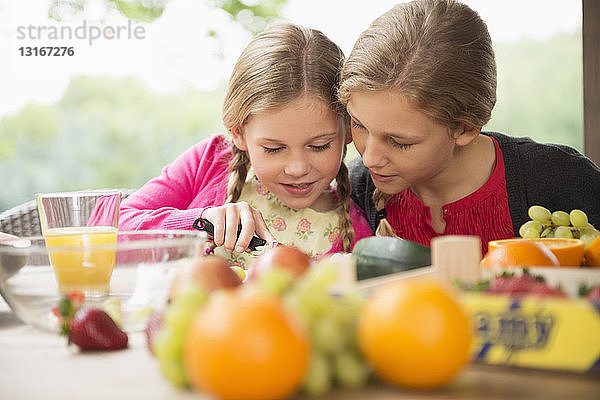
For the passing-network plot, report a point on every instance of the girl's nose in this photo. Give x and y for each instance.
(297, 166)
(373, 154)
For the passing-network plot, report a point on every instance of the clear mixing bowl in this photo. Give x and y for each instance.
(131, 272)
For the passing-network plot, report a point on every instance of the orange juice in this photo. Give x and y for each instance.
(82, 267)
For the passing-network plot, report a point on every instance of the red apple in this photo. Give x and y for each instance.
(209, 272)
(289, 258)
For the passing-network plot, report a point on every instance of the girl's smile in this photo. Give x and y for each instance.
(299, 189)
(381, 178)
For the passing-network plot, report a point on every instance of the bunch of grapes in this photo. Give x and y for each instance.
(168, 342)
(331, 323)
(559, 224)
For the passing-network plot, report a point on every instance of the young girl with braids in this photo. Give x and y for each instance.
(419, 85)
(272, 174)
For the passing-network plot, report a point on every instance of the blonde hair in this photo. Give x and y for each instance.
(278, 66)
(436, 53)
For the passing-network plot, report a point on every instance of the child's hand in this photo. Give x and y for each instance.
(226, 220)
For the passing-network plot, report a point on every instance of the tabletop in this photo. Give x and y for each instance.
(39, 365)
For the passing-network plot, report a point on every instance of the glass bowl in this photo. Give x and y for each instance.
(132, 271)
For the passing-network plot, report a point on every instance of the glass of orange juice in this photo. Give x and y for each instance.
(80, 229)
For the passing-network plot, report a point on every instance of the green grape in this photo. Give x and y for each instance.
(547, 232)
(535, 225)
(578, 218)
(180, 312)
(589, 230)
(178, 319)
(190, 298)
(174, 371)
(531, 234)
(587, 239)
(321, 278)
(168, 342)
(331, 322)
(353, 301)
(539, 213)
(275, 281)
(350, 370)
(318, 379)
(168, 347)
(563, 232)
(561, 218)
(327, 335)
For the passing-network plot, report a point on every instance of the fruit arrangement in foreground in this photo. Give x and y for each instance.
(282, 331)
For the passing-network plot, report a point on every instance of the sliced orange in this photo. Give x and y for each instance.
(568, 251)
(518, 252)
(592, 253)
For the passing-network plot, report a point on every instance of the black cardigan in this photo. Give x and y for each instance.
(555, 176)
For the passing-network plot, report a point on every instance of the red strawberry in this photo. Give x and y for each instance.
(544, 290)
(500, 283)
(94, 329)
(522, 284)
(154, 324)
(594, 294)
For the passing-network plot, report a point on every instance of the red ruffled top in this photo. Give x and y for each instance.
(484, 213)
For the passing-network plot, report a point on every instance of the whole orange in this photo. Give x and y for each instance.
(518, 252)
(244, 345)
(414, 333)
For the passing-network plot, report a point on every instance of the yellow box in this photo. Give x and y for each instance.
(533, 332)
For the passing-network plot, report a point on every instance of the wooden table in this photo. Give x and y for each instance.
(35, 365)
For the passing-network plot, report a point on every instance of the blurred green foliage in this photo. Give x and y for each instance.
(540, 89)
(103, 133)
(252, 15)
(116, 133)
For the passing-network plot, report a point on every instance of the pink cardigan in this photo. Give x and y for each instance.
(196, 180)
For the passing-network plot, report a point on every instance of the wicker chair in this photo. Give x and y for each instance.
(24, 220)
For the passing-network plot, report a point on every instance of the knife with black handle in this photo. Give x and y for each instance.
(205, 225)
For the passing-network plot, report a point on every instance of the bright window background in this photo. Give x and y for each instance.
(116, 112)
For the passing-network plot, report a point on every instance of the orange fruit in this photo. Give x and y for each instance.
(569, 252)
(518, 252)
(592, 253)
(415, 333)
(243, 345)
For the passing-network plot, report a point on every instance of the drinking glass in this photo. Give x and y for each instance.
(75, 225)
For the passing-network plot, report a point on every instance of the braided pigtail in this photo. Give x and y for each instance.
(384, 228)
(238, 169)
(343, 192)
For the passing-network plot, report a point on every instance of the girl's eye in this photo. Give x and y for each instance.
(356, 125)
(272, 149)
(322, 147)
(401, 146)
